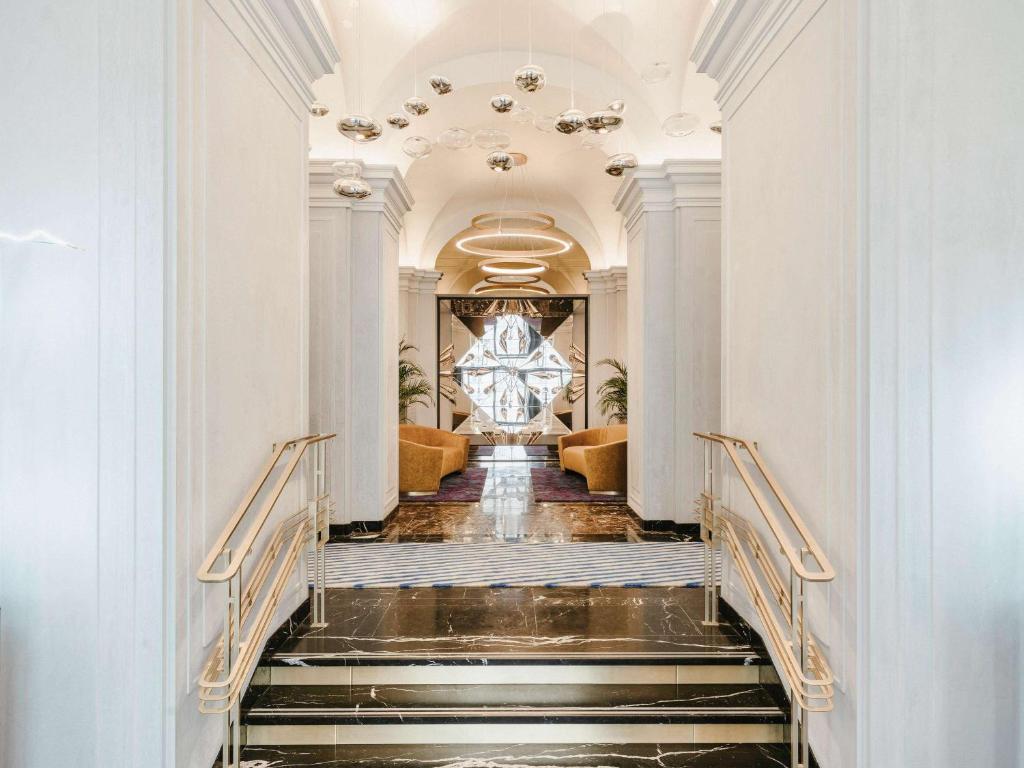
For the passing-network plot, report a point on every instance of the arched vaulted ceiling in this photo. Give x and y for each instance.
(614, 41)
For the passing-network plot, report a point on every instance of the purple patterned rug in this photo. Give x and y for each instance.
(552, 484)
(467, 486)
(540, 450)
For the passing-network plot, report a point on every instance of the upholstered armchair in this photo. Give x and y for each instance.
(599, 455)
(425, 455)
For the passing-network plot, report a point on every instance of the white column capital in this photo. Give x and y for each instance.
(673, 184)
(416, 280)
(610, 280)
(390, 194)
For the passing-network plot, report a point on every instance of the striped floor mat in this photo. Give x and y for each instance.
(494, 564)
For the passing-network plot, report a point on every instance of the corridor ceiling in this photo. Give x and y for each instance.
(460, 40)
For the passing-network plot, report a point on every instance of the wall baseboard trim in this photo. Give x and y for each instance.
(671, 526)
(343, 530)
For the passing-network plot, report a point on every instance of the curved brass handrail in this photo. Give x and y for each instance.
(206, 572)
(825, 571)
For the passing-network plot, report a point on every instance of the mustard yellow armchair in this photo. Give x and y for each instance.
(425, 455)
(599, 455)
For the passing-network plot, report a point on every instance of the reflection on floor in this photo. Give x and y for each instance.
(477, 625)
(508, 511)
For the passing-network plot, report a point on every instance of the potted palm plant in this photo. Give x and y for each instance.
(413, 386)
(612, 392)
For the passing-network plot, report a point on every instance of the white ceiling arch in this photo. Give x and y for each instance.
(459, 39)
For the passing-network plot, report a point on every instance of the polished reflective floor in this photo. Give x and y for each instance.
(508, 511)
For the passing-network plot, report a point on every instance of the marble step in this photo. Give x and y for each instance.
(299, 704)
(467, 714)
(416, 672)
(557, 755)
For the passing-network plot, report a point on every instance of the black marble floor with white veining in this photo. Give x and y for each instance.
(596, 755)
(473, 625)
(508, 512)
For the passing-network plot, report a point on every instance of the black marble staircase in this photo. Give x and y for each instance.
(487, 678)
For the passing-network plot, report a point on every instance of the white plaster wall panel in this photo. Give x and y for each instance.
(635, 365)
(242, 310)
(417, 322)
(389, 344)
(81, 398)
(329, 341)
(698, 346)
(608, 329)
(941, 564)
(789, 298)
(361, 302)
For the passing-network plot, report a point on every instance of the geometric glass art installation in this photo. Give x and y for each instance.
(512, 375)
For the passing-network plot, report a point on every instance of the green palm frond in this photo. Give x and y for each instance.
(413, 386)
(612, 392)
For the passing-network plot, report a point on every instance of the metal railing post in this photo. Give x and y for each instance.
(804, 663)
(709, 535)
(317, 509)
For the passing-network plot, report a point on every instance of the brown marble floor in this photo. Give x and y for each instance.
(508, 512)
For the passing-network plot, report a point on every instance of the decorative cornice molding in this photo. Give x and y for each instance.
(416, 280)
(738, 34)
(295, 37)
(604, 281)
(674, 184)
(390, 194)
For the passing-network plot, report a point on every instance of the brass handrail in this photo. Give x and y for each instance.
(206, 572)
(251, 610)
(825, 570)
(801, 661)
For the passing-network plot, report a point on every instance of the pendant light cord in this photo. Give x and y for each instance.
(416, 50)
(572, 58)
(529, 15)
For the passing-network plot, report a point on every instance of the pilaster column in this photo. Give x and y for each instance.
(354, 334)
(672, 216)
(607, 288)
(417, 322)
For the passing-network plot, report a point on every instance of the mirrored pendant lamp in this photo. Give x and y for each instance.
(360, 128)
(441, 85)
(398, 120)
(680, 124)
(620, 163)
(417, 147)
(455, 138)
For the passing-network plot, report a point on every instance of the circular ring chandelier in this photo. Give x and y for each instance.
(519, 265)
(514, 219)
(512, 280)
(484, 290)
(508, 243)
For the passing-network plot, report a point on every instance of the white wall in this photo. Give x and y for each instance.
(147, 371)
(941, 516)
(417, 324)
(242, 306)
(355, 333)
(673, 223)
(83, 532)
(872, 326)
(789, 285)
(608, 315)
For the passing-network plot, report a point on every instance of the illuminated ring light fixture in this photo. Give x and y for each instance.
(515, 219)
(524, 239)
(519, 265)
(512, 280)
(538, 290)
